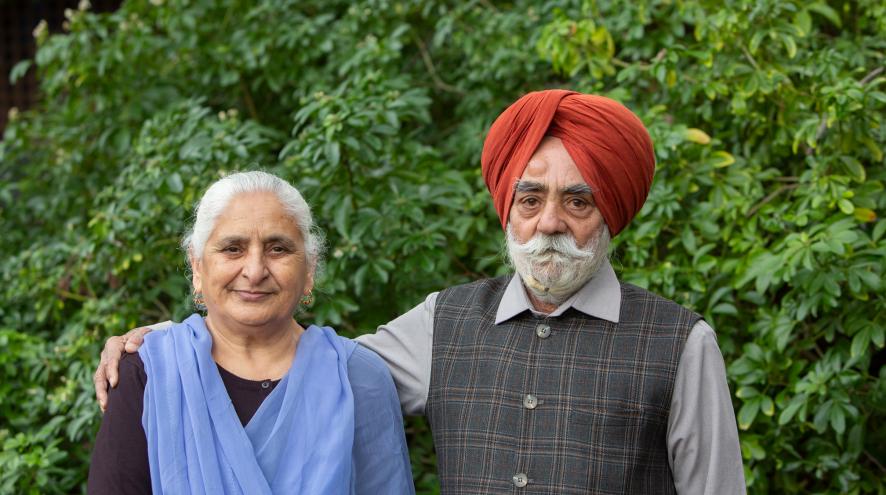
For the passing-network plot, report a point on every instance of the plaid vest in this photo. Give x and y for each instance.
(565, 405)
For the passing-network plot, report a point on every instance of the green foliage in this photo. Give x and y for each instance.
(764, 214)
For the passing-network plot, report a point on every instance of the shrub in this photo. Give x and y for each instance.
(767, 118)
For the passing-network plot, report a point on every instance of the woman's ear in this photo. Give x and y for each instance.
(309, 286)
(196, 281)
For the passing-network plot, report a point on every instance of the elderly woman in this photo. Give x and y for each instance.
(246, 400)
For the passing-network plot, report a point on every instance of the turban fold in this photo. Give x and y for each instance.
(609, 144)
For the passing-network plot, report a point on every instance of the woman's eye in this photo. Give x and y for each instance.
(231, 249)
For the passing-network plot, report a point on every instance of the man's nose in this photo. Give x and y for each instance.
(551, 220)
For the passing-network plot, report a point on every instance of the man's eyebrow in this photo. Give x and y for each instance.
(529, 186)
(578, 189)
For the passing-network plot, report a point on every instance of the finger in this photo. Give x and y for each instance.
(111, 359)
(135, 338)
(101, 387)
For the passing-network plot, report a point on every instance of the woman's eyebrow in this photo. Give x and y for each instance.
(280, 239)
(232, 239)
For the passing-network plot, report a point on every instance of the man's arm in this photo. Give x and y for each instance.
(703, 447)
(107, 371)
(405, 346)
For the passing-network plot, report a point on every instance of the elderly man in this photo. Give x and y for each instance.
(560, 379)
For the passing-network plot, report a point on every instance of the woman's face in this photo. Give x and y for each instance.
(254, 268)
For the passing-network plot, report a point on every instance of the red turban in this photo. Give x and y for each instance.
(610, 146)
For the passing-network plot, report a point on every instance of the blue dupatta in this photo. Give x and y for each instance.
(298, 442)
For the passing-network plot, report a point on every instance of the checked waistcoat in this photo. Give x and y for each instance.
(566, 405)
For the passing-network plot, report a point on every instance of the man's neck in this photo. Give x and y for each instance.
(540, 306)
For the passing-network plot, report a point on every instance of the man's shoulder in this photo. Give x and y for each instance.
(474, 292)
(494, 283)
(634, 296)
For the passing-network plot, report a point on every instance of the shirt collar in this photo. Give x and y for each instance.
(600, 297)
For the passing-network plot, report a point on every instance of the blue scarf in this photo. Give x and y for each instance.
(298, 442)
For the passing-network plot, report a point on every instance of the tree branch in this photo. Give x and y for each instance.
(429, 64)
(247, 99)
(823, 127)
(769, 197)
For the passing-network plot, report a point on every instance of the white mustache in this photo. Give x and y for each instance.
(553, 267)
(544, 245)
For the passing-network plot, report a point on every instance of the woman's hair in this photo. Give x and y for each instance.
(222, 191)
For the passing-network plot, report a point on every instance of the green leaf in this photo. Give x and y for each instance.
(838, 419)
(19, 70)
(860, 343)
(174, 181)
(827, 12)
(746, 392)
(747, 413)
(788, 413)
(721, 159)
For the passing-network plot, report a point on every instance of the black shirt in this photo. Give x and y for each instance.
(121, 446)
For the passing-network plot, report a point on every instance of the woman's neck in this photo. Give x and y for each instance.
(252, 353)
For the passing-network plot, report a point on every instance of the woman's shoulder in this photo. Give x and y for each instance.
(132, 365)
(368, 372)
(132, 380)
(364, 360)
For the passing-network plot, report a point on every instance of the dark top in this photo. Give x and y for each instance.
(380, 458)
(121, 446)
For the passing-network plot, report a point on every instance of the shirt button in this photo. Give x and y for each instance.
(520, 480)
(266, 384)
(530, 401)
(543, 331)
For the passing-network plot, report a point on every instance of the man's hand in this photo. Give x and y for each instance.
(107, 371)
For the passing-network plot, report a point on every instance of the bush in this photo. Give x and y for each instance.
(767, 119)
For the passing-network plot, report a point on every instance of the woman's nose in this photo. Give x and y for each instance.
(255, 268)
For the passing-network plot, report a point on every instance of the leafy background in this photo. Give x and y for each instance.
(764, 214)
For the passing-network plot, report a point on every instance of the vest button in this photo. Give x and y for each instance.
(530, 401)
(520, 480)
(266, 384)
(543, 331)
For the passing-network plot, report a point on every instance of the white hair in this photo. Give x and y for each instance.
(222, 191)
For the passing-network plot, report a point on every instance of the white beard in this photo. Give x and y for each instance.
(554, 267)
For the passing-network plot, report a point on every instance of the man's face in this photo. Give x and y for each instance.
(552, 198)
(556, 236)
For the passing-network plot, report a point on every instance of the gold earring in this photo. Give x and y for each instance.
(308, 299)
(198, 299)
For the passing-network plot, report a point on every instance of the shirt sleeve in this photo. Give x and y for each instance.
(405, 345)
(703, 447)
(380, 456)
(119, 463)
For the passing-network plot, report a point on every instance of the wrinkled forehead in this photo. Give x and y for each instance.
(256, 214)
(553, 166)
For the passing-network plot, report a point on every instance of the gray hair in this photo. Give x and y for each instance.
(222, 191)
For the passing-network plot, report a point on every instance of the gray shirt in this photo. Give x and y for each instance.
(702, 438)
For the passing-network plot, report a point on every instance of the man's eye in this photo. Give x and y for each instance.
(530, 201)
(578, 203)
